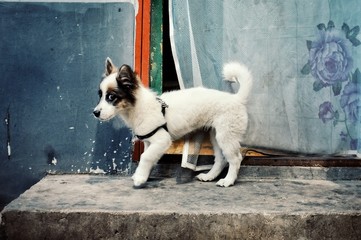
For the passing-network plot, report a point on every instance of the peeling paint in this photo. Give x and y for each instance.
(54, 161)
(114, 164)
(97, 170)
(7, 123)
(9, 150)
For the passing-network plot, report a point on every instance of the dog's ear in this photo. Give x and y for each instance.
(126, 77)
(109, 67)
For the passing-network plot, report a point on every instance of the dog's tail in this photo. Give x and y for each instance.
(236, 72)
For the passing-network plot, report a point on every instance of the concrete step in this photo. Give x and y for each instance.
(107, 207)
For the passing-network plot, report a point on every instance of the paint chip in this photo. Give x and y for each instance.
(97, 170)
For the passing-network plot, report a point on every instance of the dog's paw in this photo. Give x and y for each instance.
(138, 181)
(224, 183)
(204, 177)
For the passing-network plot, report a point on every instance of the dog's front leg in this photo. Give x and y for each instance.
(157, 145)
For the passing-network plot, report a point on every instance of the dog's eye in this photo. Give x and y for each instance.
(110, 97)
(100, 93)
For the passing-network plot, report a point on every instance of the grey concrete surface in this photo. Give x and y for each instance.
(107, 207)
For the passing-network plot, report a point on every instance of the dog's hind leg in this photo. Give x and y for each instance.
(157, 146)
(219, 161)
(231, 150)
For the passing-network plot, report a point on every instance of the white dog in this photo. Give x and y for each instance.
(160, 120)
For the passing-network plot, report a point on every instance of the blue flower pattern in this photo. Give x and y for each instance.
(330, 63)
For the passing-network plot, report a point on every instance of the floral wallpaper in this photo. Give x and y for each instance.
(305, 58)
(331, 65)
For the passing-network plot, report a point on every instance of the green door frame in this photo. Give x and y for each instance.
(156, 46)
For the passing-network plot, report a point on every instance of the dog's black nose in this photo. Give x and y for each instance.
(96, 113)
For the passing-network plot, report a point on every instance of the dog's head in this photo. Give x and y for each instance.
(116, 91)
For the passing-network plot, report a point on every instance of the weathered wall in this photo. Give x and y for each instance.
(51, 61)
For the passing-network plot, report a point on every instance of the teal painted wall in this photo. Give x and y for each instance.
(51, 62)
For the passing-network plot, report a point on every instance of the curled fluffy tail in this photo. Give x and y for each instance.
(236, 72)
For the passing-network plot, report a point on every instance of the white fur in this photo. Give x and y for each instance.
(223, 113)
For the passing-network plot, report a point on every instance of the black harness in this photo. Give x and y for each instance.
(164, 126)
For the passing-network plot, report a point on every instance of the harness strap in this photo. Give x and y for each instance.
(142, 137)
(164, 105)
(164, 126)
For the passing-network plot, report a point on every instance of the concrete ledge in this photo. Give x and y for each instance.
(102, 225)
(107, 207)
